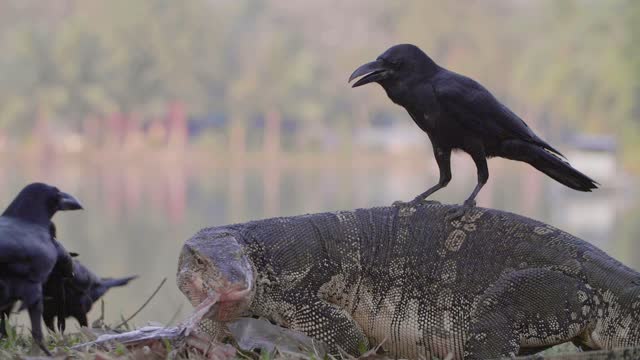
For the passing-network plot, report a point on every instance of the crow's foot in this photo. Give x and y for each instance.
(419, 200)
(38, 346)
(459, 211)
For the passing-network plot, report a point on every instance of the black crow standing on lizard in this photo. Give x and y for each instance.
(28, 251)
(457, 113)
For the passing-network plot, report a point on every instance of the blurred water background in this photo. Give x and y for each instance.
(164, 117)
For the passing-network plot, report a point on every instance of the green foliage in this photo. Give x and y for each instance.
(12, 341)
(265, 355)
(167, 346)
(362, 348)
(120, 350)
(69, 62)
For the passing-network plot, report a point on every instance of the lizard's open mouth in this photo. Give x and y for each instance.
(230, 303)
(236, 293)
(201, 311)
(192, 287)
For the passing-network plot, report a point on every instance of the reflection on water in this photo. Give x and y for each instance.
(138, 216)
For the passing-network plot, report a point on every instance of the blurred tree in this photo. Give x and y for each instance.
(112, 69)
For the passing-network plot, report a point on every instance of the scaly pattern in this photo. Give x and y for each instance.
(487, 285)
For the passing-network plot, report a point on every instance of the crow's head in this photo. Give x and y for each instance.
(395, 64)
(38, 203)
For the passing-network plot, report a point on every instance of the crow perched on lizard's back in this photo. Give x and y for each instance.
(28, 252)
(457, 113)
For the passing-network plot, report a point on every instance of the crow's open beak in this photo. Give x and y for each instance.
(68, 202)
(373, 71)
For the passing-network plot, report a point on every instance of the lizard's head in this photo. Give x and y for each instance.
(215, 265)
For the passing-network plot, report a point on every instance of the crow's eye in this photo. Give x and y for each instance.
(393, 63)
(52, 203)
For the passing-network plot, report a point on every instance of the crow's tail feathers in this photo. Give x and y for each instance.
(108, 283)
(550, 164)
(563, 172)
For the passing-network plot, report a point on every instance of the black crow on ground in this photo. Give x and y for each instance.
(62, 271)
(28, 252)
(54, 287)
(76, 296)
(457, 113)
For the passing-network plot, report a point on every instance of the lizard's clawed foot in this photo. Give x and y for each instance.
(459, 211)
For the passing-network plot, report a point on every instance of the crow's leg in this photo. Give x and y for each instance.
(48, 322)
(82, 319)
(483, 175)
(443, 158)
(62, 324)
(35, 314)
(61, 305)
(3, 324)
(5, 309)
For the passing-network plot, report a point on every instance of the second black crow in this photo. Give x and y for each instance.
(76, 296)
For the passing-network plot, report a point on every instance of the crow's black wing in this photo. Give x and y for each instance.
(422, 93)
(84, 279)
(469, 103)
(26, 250)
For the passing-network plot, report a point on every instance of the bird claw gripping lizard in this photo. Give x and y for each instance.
(458, 211)
(417, 201)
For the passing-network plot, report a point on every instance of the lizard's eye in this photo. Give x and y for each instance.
(199, 261)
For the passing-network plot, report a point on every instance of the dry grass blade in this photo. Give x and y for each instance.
(126, 321)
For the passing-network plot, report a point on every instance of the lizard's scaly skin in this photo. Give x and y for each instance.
(487, 285)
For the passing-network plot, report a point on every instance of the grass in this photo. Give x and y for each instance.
(19, 344)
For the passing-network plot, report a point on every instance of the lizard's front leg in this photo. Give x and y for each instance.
(329, 324)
